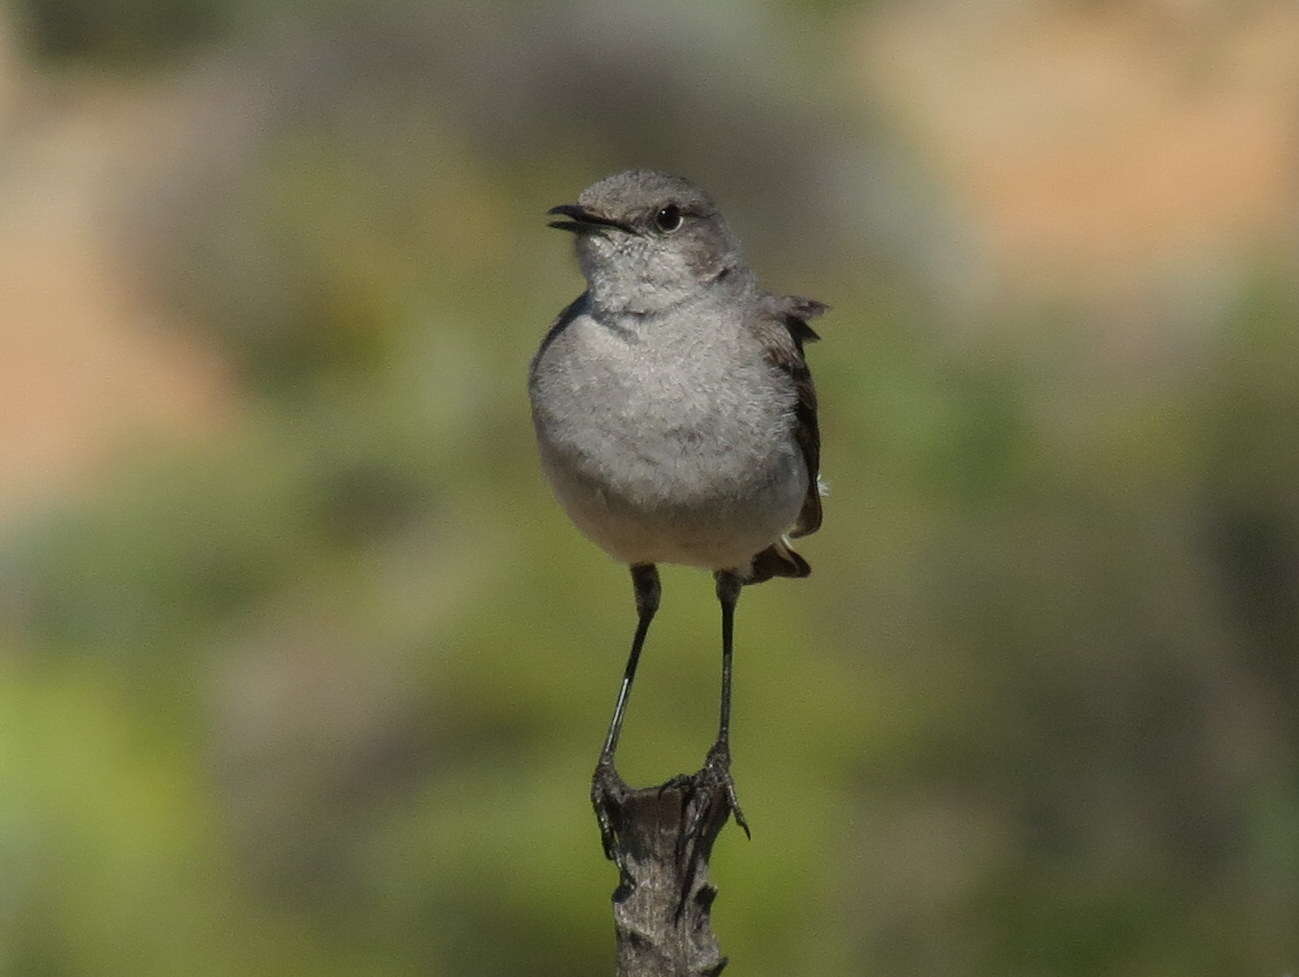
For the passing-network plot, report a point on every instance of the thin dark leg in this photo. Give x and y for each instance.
(607, 788)
(645, 579)
(728, 592)
(719, 757)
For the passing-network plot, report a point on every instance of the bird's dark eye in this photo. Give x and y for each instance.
(668, 219)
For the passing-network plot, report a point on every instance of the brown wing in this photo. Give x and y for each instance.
(566, 316)
(784, 330)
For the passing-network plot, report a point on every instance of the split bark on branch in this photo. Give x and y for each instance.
(661, 839)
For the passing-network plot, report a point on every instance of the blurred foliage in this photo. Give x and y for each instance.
(121, 34)
(319, 693)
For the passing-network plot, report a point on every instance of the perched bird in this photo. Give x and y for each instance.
(674, 411)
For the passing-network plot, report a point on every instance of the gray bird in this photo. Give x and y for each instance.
(674, 412)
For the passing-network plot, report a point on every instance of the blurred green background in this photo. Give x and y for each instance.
(303, 672)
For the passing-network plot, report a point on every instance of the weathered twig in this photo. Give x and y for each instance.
(661, 839)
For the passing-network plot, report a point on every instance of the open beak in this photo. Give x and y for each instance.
(582, 220)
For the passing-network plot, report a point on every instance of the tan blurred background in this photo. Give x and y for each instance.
(302, 671)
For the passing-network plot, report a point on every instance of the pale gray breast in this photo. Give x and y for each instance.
(669, 412)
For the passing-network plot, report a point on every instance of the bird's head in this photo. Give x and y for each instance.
(647, 241)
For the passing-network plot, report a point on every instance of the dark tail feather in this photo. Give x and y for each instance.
(777, 560)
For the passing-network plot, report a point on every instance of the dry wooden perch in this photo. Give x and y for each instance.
(661, 839)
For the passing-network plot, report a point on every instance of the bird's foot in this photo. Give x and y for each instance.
(708, 799)
(608, 791)
(716, 776)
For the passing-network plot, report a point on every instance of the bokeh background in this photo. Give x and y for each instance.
(302, 671)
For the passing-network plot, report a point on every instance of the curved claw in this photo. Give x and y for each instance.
(718, 768)
(702, 798)
(683, 782)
